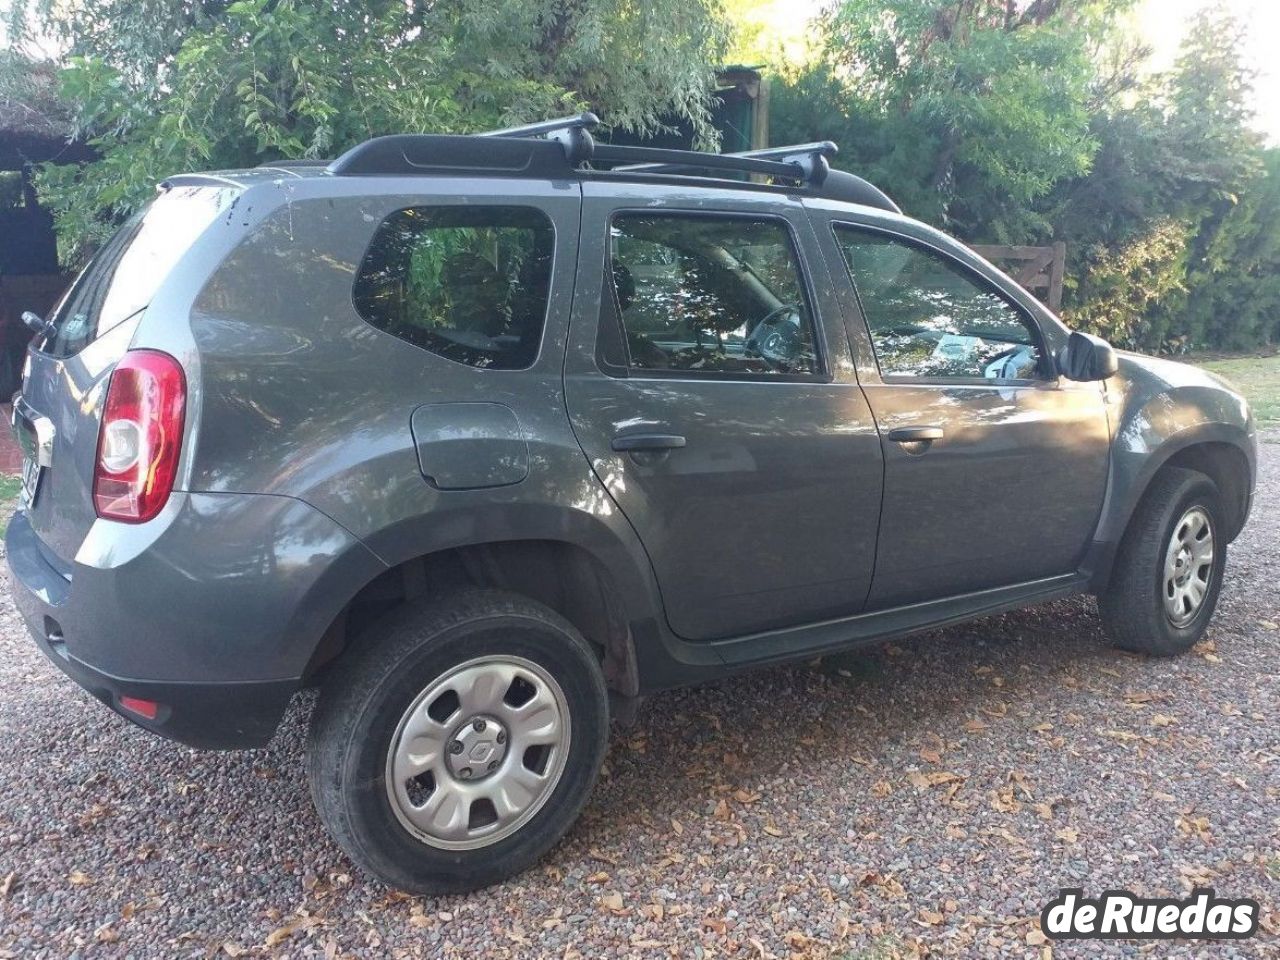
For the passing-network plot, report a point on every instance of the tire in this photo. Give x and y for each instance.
(1134, 610)
(399, 679)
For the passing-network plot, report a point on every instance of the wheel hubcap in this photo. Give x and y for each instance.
(1188, 567)
(478, 752)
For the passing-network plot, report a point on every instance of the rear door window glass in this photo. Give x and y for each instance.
(467, 283)
(126, 273)
(711, 295)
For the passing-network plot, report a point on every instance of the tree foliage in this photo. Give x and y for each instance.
(170, 85)
(965, 110)
(1025, 121)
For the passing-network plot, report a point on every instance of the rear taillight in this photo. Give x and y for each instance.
(140, 436)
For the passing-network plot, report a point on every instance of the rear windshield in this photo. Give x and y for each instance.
(124, 275)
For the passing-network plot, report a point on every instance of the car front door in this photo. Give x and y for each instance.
(995, 466)
(721, 415)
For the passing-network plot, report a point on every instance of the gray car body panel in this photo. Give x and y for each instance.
(320, 452)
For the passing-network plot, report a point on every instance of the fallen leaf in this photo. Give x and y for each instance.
(612, 901)
(930, 755)
(931, 918)
(7, 886)
(281, 934)
(677, 827)
(975, 725)
(921, 780)
(772, 830)
(1068, 835)
(233, 949)
(79, 879)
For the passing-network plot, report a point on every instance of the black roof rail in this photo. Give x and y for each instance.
(427, 153)
(564, 148)
(850, 188)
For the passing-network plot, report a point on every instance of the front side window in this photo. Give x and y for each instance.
(467, 283)
(710, 295)
(929, 317)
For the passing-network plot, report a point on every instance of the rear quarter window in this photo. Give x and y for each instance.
(467, 283)
(125, 274)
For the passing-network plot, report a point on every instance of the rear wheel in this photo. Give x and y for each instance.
(458, 743)
(1168, 572)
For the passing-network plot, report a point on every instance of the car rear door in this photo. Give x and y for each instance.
(718, 410)
(995, 466)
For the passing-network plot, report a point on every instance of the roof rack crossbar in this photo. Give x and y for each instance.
(579, 121)
(811, 159)
(572, 133)
(657, 160)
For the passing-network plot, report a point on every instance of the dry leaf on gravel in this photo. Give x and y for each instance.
(922, 781)
(79, 878)
(281, 934)
(6, 887)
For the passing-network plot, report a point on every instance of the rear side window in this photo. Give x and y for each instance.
(467, 283)
(126, 273)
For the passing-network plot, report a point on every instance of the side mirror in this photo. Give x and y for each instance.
(1086, 357)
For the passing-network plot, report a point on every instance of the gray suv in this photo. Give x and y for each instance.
(487, 437)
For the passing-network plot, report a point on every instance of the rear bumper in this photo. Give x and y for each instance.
(215, 617)
(217, 716)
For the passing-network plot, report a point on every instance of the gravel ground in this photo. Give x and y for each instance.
(928, 800)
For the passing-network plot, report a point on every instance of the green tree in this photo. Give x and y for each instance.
(966, 111)
(171, 85)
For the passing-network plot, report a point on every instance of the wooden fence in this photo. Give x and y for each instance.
(1039, 269)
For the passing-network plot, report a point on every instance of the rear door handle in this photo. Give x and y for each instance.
(915, 434)
(647, 441)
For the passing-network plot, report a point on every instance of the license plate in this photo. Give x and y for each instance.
(32, 472)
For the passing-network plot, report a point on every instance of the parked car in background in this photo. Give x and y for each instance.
(486, 436)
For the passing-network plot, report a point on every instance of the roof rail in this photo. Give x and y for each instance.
(573, 133)
(564, 148)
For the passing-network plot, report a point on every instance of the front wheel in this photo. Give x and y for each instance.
(1168, 571)
(459, 741)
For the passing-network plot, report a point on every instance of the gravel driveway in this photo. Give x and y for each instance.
(928, 800)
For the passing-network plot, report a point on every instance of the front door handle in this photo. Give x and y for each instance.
(915, 434)
(631, 442)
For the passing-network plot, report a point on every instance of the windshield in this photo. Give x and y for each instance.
(125, 274)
